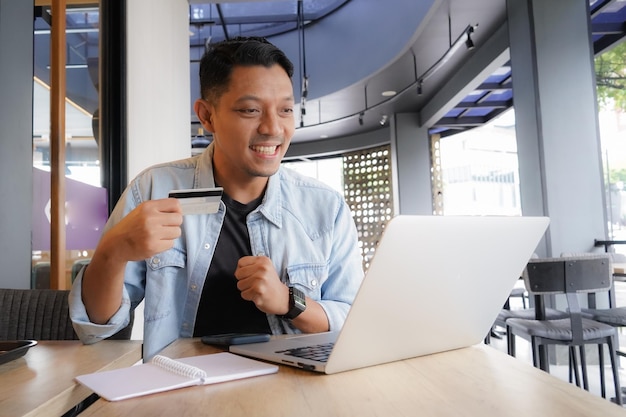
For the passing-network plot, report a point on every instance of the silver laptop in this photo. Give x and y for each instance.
(436, 283)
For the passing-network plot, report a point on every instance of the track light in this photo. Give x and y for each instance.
(468, 42)
(465, 37)
(383, 120)
(361, 118)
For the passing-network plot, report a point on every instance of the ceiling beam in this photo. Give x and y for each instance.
(601, 7)
(614, 28)
(496, 86)
(484, 104)
(468, 121)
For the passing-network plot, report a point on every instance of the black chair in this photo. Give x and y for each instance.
(40, 314)
(527, 314)
(613, 315)
(521, 293)
(40, 275)
(78, 265)
(569, 276)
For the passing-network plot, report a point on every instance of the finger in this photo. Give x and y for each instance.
(168, 205)
(246, 266)
(171, 218)
(248, 282)
(170, 233)
(252, 293)
(247, 261)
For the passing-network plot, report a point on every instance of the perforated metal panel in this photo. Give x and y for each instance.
(369, 193)
(436, 178)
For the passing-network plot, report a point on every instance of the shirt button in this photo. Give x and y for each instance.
(155, 261)
(314, 283)
(207, 245)
(193, 287)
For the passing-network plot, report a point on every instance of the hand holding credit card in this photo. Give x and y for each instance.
(198, 200)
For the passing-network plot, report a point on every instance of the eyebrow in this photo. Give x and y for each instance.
(256, 98)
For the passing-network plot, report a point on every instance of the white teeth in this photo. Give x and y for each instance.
(267, 150)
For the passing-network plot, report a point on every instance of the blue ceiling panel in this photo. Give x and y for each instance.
(380, 69)
(455, 112)
(478, 112)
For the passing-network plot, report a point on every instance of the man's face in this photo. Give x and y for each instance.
(253, 122)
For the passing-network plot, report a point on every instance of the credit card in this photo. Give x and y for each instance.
(198, 200)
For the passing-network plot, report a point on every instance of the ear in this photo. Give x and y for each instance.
(204, 111)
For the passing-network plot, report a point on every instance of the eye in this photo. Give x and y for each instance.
(248, 111)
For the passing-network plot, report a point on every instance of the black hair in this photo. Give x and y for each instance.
(217, 63)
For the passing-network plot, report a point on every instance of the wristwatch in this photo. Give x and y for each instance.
(297, 303)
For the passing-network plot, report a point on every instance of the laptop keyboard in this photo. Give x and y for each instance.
(315, 352)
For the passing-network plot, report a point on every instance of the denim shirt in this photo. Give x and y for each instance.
(302, 225)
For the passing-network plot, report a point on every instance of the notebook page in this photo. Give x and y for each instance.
(225, 366)
(150, 378)
(147, 378)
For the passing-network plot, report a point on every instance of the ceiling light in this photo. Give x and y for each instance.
(468, 42)
(389, 93)
(383, 119)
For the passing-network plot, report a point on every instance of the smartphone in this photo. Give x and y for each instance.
(227, 339)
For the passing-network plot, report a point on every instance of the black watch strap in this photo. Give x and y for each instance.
(297, 303)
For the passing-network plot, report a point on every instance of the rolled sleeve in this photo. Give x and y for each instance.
(87, 331)
(336, 313)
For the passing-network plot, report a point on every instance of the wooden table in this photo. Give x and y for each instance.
(475, 381)
(41, 383)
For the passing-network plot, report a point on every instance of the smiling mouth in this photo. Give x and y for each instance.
(265, 150)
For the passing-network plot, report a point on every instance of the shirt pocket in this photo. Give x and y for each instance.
(165, 276)
(308, 278)
(172, 257)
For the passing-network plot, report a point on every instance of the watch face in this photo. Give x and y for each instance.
(299, 299)
(297, 303)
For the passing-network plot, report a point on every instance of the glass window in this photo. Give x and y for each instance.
(86, 201)
(328, 170)
(479, 170)
(610, 68)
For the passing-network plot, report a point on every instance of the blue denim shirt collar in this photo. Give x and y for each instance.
(272, 202)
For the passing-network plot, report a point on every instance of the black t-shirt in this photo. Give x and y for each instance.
(221, 309)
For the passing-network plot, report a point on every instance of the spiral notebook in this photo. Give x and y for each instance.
(165, 374)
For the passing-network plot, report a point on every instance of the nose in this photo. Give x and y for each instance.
(271, 124)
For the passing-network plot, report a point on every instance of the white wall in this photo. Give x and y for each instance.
(158, 82)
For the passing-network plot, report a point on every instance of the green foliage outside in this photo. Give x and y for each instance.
(617, 175)
(611, 78)
(611, 89)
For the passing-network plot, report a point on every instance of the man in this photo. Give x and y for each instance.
(280, 255)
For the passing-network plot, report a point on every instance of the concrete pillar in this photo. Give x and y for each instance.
(410, 147)
(16, 141)
(556, 121)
